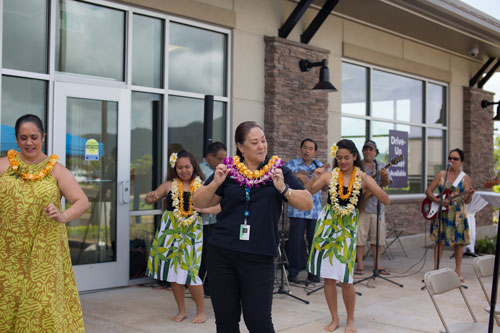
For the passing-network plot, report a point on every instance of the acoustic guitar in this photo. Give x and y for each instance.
(395, 160)
(431, 208)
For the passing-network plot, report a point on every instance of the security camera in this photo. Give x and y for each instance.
(473, 52)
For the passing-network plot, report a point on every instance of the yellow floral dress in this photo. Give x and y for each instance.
(38, 291)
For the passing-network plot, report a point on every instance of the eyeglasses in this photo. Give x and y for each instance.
(453, 158)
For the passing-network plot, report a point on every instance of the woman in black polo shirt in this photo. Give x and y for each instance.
(244, 241)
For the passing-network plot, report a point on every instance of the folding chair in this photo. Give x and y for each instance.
(483, 266)
(396, 231)
(445, 280)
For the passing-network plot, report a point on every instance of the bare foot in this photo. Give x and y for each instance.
(200, 318)
(332, 326)
(179, 317)
(349, 327)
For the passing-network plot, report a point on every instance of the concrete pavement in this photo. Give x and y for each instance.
(382, 307)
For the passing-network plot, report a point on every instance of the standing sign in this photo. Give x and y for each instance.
(398, 145)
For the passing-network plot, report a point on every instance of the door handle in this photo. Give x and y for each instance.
(125, 191)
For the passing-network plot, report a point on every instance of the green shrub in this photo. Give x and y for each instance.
(486, 245)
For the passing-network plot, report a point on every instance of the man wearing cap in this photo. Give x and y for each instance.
(368, 218)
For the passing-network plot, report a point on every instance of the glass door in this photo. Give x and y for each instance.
(92, 139)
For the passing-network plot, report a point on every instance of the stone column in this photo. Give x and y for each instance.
(292, 110)
(478, 144)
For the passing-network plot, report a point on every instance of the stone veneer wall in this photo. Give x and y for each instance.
(292, 110)
(478, 144)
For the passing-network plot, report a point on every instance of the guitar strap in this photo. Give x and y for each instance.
(459, 179)
(375, 169)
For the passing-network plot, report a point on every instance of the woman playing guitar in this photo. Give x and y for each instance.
(454, 223)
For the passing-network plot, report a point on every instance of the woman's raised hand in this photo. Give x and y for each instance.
(220, 174)
(152, 197)
(279, 180)
(318, 172)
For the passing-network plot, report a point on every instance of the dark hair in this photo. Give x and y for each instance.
(214, 148)
(309, 140)
(241, 133)
(172, 172)
(460, 153)
(29, 118)
(349, 145)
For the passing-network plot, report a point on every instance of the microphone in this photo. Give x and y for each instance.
(449, 165)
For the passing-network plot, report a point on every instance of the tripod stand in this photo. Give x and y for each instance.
(376, 273)
(438, 217)
(281, 252)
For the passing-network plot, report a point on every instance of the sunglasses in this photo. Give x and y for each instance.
(453, 159)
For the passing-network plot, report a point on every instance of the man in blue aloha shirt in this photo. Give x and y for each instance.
(300, 221)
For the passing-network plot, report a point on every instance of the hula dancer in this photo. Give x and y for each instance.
(176, 251)
(333, 251)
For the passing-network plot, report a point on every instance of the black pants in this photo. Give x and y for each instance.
(296, 242)
(202, 273)
(241, 281)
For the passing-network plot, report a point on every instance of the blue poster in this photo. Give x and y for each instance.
(398, 146)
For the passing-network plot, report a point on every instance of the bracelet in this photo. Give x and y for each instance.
(282, 193)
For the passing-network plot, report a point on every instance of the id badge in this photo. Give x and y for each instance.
(245, 232)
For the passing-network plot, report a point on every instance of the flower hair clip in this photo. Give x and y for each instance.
(334, 150)
(173, 159)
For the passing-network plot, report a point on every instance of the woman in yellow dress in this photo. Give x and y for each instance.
(38, 291)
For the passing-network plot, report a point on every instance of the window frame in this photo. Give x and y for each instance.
(369, 119)
(54, 76)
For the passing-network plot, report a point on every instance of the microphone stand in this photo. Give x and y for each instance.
(438, 216)
(376, 273)
(281, 249)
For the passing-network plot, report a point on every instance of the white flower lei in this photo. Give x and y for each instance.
(186, 221)
(353, 200)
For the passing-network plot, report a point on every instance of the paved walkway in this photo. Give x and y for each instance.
(383, 306)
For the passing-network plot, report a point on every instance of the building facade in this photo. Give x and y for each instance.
(133, 75)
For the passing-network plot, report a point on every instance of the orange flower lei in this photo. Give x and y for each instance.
(181, 198)
(242, 168)
(341, 185)
(185, 218)
(14, 164)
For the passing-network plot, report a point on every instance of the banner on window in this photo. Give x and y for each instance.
(398, 145)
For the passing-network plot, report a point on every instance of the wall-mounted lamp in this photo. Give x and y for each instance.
(485, 104)
(324, 74)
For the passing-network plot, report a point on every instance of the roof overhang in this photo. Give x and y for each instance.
(445, 24)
